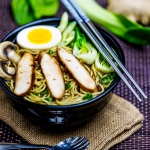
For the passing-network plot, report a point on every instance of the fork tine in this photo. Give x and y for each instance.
(71, 140)
(82, 143)
(74, 139)
(80, 139)
(68, 140)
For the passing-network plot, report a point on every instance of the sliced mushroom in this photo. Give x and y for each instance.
(11, 70)
(8, 51)
(6, 72)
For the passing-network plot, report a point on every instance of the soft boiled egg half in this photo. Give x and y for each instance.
(39, 37)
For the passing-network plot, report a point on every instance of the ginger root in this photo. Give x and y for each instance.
(135, 10)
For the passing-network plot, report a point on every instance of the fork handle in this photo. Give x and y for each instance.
(16, 146)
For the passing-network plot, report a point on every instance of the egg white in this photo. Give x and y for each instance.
(23, 41)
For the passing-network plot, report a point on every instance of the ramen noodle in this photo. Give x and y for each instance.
(73, 93)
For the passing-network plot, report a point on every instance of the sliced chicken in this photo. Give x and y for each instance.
(24, 76)
(53, 75)
(78, 71)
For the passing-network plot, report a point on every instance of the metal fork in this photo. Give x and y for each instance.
(74, 143)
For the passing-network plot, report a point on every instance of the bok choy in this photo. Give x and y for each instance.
(84, 50)
(25, 11)
(67, 30)
(122, 27)
(102, 65)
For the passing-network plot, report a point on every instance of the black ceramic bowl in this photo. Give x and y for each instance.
(61, 116)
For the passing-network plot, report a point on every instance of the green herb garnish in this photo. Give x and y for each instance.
(107, 79)
(49, 99)
(50, 51)
(67, 85)
(44, 92)
(112, 75)
(72, 44)
(88, 96)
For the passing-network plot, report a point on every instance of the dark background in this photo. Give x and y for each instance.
(137, 63)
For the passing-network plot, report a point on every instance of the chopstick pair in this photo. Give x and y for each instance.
(99, 42)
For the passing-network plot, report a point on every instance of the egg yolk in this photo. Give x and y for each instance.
(40, 36)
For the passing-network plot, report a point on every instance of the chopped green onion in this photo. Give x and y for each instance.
(88, 96)
(49, 99)
(44, 92)
(72, 44)
(107, 79)
(50, 51)
(67, 86)
(112, 75)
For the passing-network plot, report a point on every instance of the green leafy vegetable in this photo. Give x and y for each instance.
(127, 30)
(25, 11)
(88, 96)
(84, 50)
(67, 85)
(102, 65)
(22, 11)
(44, 7)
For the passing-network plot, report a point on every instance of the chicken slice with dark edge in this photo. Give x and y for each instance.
(53, 75)
(25, 75)
(77, 70)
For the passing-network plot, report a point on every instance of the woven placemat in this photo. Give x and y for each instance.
(113, 124)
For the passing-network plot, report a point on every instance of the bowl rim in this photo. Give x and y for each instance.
(32, 104)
